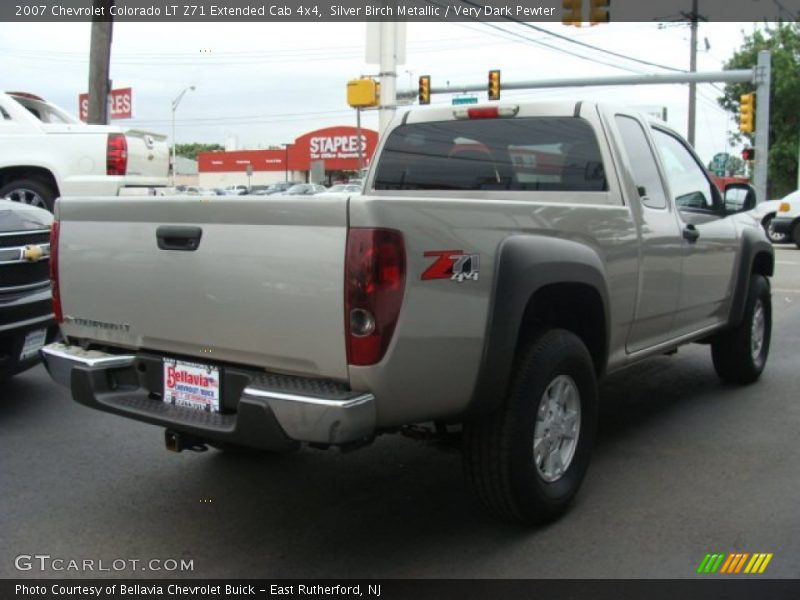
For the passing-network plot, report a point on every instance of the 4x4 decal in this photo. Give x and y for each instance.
(454, 265)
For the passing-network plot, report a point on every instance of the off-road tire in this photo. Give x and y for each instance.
(738, 357)
(499, 448)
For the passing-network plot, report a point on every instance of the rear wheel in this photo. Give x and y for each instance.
(740, 354)
(29, 191)
(526, 461)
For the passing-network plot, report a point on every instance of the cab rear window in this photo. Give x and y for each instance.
(542, 153)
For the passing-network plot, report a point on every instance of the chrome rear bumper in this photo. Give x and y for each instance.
(270, 412)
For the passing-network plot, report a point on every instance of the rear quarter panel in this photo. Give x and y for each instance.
(432, 365)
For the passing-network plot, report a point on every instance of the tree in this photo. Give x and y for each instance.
(783, 42)
(192, 150)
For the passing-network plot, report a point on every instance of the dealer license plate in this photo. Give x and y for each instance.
(33, 343)
(191, 385)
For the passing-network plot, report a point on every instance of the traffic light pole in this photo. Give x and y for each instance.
(759, 76)
(762, 80)
(388, 74)
(692, 69)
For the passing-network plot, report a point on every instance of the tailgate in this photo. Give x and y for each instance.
(264, 287)
(148, 154)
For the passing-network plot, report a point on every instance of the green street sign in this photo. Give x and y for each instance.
(720, 160)
(465, 100)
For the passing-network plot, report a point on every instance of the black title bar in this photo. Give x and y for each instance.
(393, 10)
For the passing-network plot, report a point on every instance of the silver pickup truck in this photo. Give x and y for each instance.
(502, 259)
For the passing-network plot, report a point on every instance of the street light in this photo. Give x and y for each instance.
(175, 104)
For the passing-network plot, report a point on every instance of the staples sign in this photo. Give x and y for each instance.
(338, 146)
(120, 104)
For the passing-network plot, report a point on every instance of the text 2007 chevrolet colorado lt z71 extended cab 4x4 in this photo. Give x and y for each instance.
(502, 259)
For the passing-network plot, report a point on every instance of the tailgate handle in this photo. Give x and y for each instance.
(176, 237)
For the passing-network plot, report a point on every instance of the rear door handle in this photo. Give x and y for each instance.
(690, 233)
(178, 237)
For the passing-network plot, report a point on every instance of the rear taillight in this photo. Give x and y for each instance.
(116, 154)
(375, 275)
(54, 234)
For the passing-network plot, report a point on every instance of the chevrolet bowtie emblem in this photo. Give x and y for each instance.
(32, 253)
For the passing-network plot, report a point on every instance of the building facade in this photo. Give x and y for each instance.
(323, 156)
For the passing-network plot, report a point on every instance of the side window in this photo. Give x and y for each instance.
(687, 179)
(643, 164)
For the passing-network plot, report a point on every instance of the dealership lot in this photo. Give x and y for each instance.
(684, 465)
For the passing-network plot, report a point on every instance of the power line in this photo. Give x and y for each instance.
(546, 45)
(562, 50)
(584, 44)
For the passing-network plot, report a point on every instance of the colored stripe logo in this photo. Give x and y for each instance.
(734, 563)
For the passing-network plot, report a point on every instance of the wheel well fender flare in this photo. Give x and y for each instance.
(527, 264)
(757, 256)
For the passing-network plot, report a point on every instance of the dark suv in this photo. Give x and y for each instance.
(26, 312)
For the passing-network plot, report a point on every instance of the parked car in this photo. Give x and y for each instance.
(46, 153)
(236, 190)
(341, 189)
(787, 218)
(305, 189)
(257, 190)
(503, 259)
(274, 188)
(26, 311)
(765, 213)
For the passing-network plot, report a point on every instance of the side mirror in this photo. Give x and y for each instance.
(739, 197)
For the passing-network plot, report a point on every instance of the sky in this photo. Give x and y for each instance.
(264, 84)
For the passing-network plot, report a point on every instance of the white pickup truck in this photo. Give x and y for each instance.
(501, 259)
(46, 153)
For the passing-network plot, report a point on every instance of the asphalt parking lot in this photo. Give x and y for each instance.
(684, 465)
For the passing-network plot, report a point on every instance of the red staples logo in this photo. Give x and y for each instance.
(454, 265)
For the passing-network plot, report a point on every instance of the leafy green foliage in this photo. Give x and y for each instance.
(192, 150)
(783, 42)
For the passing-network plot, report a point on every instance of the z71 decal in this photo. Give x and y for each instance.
(453, 265)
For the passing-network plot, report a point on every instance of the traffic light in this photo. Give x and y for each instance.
(599, 11)
(425, 89)
(572, 12)
(747, 109)
(362, 93)
(494, 84)
(749, 154)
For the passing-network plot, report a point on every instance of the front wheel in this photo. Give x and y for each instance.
(796, 234)
(740, 354)
(527, 460)
(774, 236)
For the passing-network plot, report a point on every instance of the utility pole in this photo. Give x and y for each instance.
(388, 74)
(692, 69)
(763, 79)
(99, 63)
